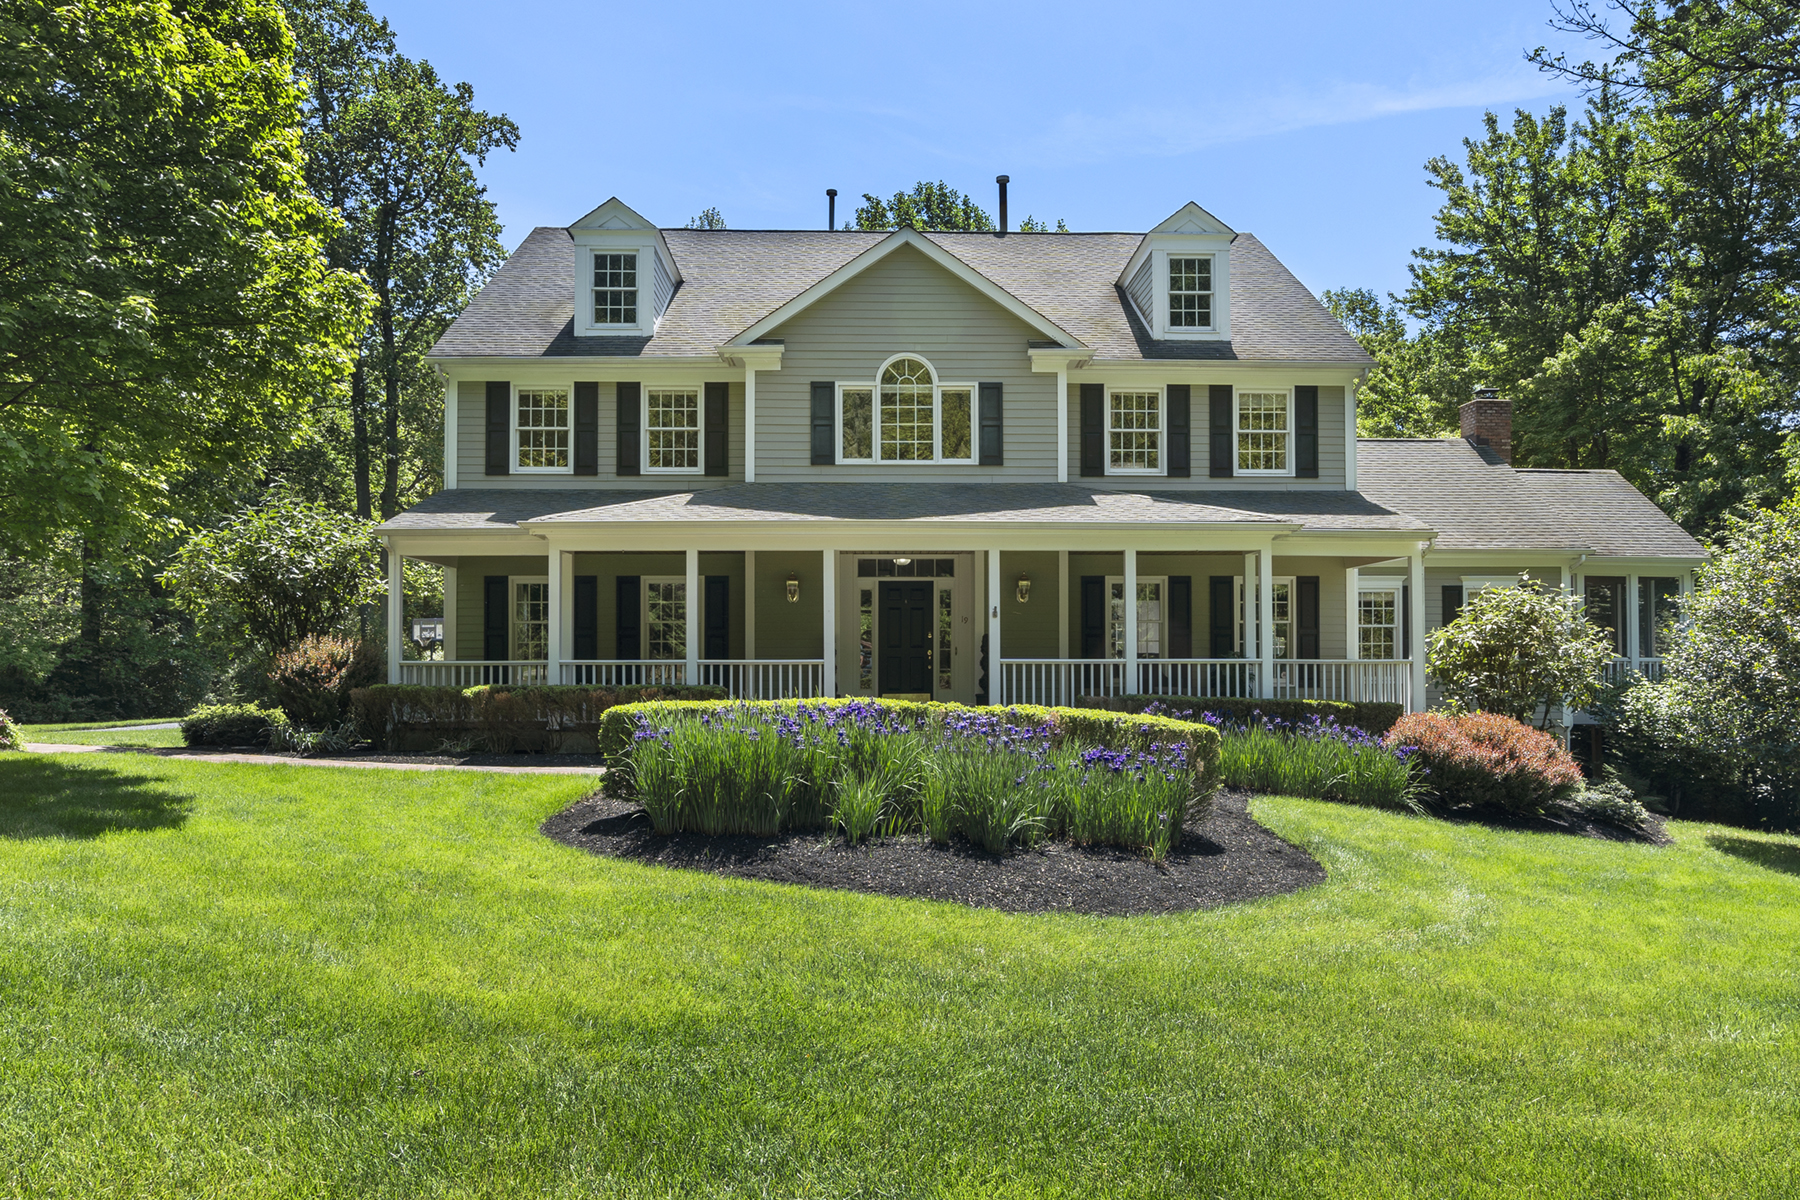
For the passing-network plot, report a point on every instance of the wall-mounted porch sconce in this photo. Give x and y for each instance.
(793, 588)
(1024, 588)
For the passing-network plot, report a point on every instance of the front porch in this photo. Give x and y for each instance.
(1002, 626)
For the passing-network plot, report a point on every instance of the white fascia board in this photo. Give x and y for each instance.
(931, 250)
(1060, 358)
(757, 358)
(1221, 370)
(1191, 218)
(1376, 545)
(613, 214)
(616, 366)
(1089, 536)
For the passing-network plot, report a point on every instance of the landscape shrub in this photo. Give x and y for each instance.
(497, 718)
(313, 679)
(997, 777)
(1319, 759)
(10, 737)
(232, 725)
(1612, 802)
(1482, 760)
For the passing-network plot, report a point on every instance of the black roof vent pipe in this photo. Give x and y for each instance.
(831, 208)
(1002, 180)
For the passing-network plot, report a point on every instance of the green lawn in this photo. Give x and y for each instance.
(35, 733)
(90, 737)
(272, 980)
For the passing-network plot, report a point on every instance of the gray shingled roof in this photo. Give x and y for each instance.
(734, 278)
(1051, 503)
(1477, 502)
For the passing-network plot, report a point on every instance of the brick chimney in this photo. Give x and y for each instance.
(1487, 421)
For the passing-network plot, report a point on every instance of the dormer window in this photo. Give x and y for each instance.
(1190, 293)
(615, 289)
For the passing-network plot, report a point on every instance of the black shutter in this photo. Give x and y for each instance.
(587, 617)
(493, 618)
(1224, 619)
(1093, 612)
(1306, 599)
(1181, 438)
(824, 424)
(1306, 431)
(1219, 400)
(630, 423)
(587, 429)
(993, 442)
(1452, 602)
(718, 616)
(718, 402)
(1406, 621)
(1093, 429)
(626, 644)
(499, 427)
(1181, 616)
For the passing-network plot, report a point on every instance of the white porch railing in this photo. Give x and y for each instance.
(766, 678)
(1058, 681)
(1619, 669)
(517, 673)
(1062, 680)
(607, 673)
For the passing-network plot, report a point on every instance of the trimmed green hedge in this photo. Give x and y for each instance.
(1372, 717)
(231, 725)
(1114, 731)
(497, 718)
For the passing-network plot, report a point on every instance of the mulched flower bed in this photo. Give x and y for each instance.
(1559, 820)
(1223, 857)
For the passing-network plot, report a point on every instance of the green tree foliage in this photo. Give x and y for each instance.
(279, 573)
(394, 150)
(165, 303)
(1414, 389)
(1516, 649)
(1628, 279)
(1731, 686)
(1033, 225)
(710, 218)
(936, 206)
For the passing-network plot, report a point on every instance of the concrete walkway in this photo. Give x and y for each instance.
(274, 760)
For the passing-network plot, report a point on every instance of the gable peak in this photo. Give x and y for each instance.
(1191, 218)
(614, 214)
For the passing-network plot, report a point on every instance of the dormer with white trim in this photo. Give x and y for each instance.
(1179, 280)
(624, 273)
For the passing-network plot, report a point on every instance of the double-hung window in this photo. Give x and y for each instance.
(1377, 623)
(1134, 432)
(1190, 293)
(665, 618)
(541, 429)
(530, 620)
(1282, 610)
(1151, 593)
(1265, 422)
(615, 289)
(672, 429)
(906, 416)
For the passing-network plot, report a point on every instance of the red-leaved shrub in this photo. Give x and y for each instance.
(1484, 759)
(312, 680)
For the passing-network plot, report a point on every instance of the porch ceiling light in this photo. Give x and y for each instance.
(901, 562)
(1024, 587)
(793, 588)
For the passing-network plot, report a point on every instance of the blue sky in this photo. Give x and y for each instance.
(1305, 123)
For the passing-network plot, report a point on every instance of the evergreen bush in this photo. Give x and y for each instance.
(232, 725)
(10, 737)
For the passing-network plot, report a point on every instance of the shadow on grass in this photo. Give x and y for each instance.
(1777, 856)
(42, 798)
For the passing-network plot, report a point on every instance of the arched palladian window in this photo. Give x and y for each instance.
(906, 416)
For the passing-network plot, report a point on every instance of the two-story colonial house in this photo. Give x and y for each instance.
(1010, 467)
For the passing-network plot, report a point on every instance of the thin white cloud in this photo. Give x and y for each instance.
(1146, 131)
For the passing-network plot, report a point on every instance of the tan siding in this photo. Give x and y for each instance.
(906, 303)
(471, 577)
(471, 444)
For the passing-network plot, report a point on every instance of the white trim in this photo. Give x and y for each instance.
(451, 404)
(1062, 604)
(828, 602)
(1385, 587)
(694, 618)
(1237, 392)
(585, 325)
(1415, 650)
(1162, 431)
(1350, 434)
(1167, 300)
(699, 393)
(1479, 583)
(1062, 424)
(568, 391)
(1133, 635)
(1248, 638)
(396, 610)
(749, 428)
(931, 250)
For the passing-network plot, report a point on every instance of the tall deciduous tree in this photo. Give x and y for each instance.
(394, 150)
(1414, 388)
(165, 303)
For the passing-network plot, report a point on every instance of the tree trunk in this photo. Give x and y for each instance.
(359, 432)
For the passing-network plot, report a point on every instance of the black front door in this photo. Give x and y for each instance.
(905, 639)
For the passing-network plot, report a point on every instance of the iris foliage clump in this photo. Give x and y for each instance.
(996, 779)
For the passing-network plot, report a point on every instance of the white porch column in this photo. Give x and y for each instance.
(749, 425)
(690, 615)
(1352, 643)
(557, 579)
(829, 604)
(1062, 442)
(396, 611)
(1265, 618)
(749, 604)
(1629, 635)
(996, 688)
(449, 438)
(449, 613)
(1416, 612)
(1131, 622)
(1062, 604)
(1248, 649)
